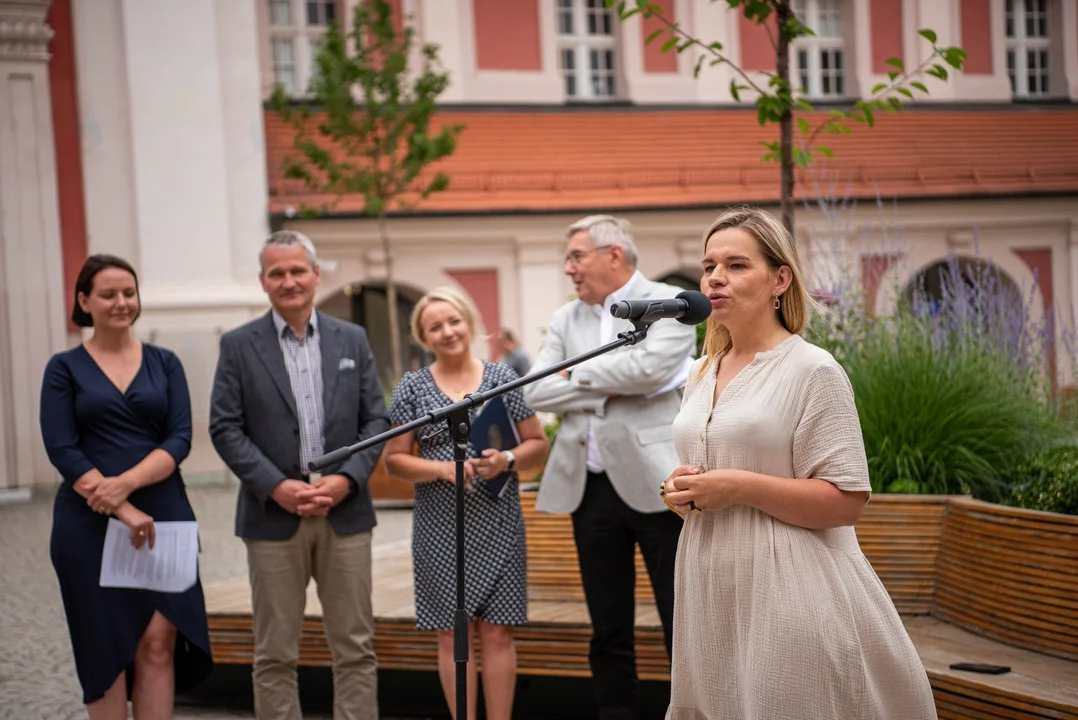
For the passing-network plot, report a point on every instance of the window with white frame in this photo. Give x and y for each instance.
(820, 59)
(1027, 47)
(296, 28)
(587, 50)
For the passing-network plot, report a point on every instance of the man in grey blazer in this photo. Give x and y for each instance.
(614, 447)
(289, 387)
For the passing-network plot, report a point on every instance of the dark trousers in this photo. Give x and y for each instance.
(607, 532)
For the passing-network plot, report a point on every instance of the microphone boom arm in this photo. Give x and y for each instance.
(459, 421)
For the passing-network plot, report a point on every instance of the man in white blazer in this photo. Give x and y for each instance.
(614, 447)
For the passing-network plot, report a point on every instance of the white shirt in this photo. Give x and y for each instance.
(606, 335)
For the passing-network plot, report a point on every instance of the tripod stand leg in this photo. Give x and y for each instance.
(460, 428)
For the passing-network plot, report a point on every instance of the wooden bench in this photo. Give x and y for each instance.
(974, 582)
(899, 534)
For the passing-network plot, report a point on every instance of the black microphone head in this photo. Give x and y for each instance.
(698, 310)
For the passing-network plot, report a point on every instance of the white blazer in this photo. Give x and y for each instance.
(632, 430)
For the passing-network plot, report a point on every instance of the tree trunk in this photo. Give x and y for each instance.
(391, 300)
(786, 122)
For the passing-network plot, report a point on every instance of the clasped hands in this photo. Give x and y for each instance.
(689, 488)
(316, 498)
(108, 496)
(489, 464)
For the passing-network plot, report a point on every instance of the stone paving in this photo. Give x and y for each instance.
(37, 671)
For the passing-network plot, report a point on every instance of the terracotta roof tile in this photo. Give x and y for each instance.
(624, 158)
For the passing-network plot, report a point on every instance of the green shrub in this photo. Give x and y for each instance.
(1047, 481)
(941, 418)
(951, 391)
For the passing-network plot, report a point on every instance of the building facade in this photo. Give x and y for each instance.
(140, 128)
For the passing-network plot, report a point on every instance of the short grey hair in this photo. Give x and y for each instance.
(287, 238)
(607, 230)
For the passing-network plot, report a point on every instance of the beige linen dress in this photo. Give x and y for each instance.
(774, 621)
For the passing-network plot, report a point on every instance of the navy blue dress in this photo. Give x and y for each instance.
(86, 423)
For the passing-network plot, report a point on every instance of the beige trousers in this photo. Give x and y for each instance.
(279, 573)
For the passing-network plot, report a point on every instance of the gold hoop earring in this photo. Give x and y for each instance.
(778, 304)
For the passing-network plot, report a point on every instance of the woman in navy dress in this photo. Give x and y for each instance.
(495, 555)
(116, 422)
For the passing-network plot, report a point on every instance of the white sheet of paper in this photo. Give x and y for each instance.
(172, 565)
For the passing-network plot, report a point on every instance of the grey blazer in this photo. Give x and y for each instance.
(255, 429)
(633, 431)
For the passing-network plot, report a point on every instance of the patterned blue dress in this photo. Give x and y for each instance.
(86, 423)
(495, 553)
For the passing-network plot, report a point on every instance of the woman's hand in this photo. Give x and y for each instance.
(449, 472)
(691, 489)
(141, 524)
(667, 487)
(107, 494)
(491, 463)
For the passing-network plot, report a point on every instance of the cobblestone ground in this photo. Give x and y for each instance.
(37, 671)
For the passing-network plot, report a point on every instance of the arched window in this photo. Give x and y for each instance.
(680, 280)
(365, 304)
(962, 289)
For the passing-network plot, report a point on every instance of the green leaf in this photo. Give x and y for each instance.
(870, 119)
(919, 86)
(938, 71)
(671, 42)
(734, 91)
(905, 92)
(896, 63)
(803, 124)
(879, 87)
(928, 35)
(825, 151)
(654, 35)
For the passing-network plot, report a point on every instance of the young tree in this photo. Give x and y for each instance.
(380, 147)
(777, 100)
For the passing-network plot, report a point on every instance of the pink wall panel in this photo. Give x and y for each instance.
(482, 286)
(976, 36)
(655, 60)
(885, 17)
(757, 52)
(66, 136)
(507, 35)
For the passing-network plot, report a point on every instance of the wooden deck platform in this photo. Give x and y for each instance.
(555, 643)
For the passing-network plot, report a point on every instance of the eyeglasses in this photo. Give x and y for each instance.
(573, 259)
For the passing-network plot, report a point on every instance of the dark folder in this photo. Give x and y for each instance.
(493, 428)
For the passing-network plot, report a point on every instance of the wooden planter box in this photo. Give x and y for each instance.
(1011, 575)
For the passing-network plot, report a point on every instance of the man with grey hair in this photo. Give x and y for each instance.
(614, 447)
(289, 387)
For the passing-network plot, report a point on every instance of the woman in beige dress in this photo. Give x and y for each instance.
(777, 613)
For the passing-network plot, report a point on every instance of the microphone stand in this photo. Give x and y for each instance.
(459, 419)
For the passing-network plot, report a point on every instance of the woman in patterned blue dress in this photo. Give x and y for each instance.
(116, 423)
(495, 554)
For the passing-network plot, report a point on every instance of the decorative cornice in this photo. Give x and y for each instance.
(24, 35)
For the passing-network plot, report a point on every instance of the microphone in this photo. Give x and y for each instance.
(689, 308)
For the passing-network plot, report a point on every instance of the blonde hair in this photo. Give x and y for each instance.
(778, 248)
(447, 294)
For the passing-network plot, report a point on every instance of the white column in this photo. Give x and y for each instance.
(32, 308)
(175, 167)
(1069, 43)
(245, 144)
